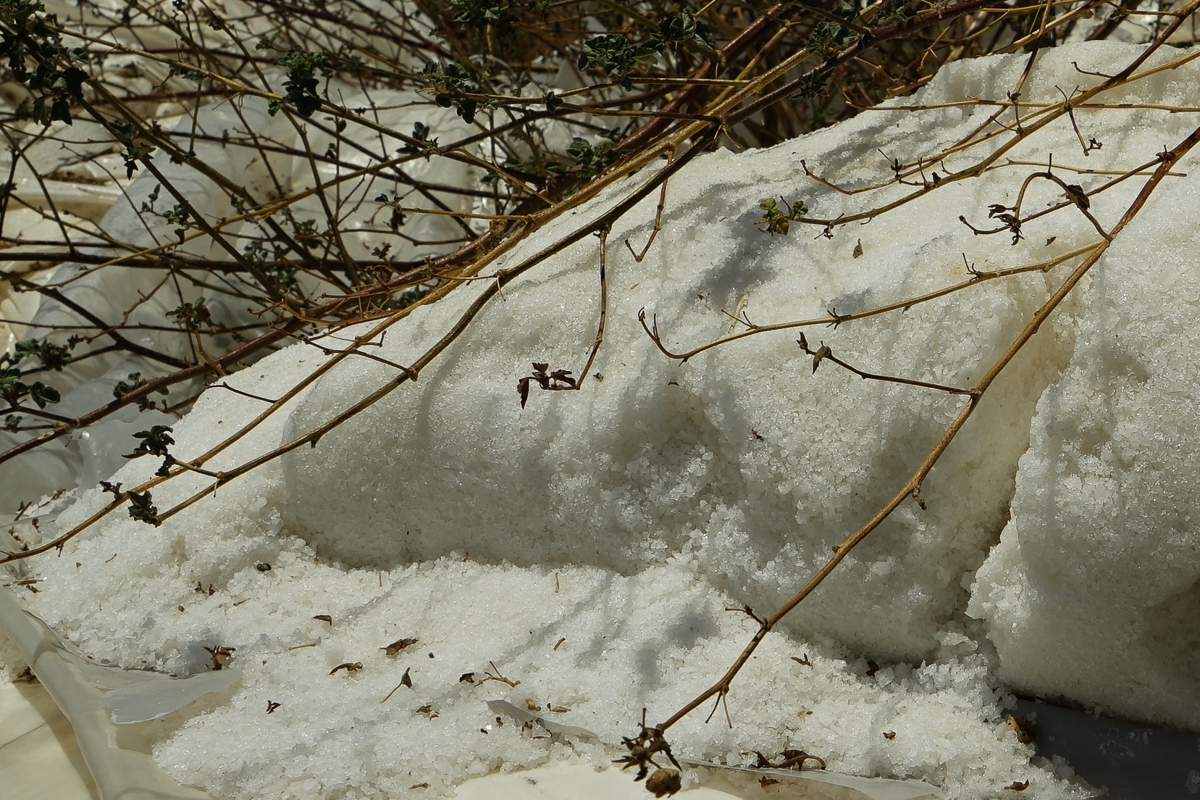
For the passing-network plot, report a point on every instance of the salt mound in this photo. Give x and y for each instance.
(741, 459)
(1094, 590)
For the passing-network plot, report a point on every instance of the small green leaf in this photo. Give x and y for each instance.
(73, 80)
(141, 507)
(154, 442)
(61, 110)
(51, 355)
(43, 395)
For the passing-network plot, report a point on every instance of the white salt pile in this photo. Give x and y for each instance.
(579, 554)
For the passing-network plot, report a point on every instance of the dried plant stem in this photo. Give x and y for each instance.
(753, 329)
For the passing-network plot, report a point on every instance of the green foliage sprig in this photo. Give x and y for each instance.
(192, 316)
(142, 508)
(422, 144)
(51, 355)
(136, 148)
(132, 382)
(301, 82)
(12, 386)
(616, 56)
(591, 159)
(28, 38)
(778, 220)
(153, 442)
(453, 85)
(500, 14)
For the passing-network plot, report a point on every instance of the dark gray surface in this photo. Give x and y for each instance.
(1130, 761)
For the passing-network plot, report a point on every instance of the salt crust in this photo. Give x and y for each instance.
(650, 502)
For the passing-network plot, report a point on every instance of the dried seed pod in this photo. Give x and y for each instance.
(664, 782)
(398, 645)
(1021, 727)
